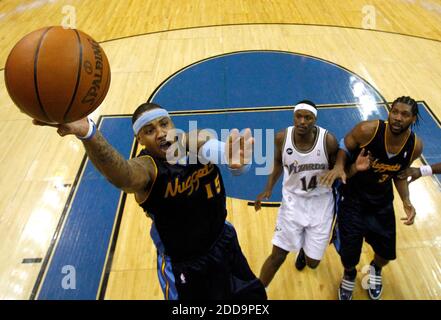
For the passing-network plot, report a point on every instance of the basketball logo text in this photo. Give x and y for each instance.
(92, 93)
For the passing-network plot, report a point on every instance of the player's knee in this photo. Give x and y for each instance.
(312, 263)
(278, 258)
(380, 261)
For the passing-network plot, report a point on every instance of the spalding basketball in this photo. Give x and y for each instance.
(57, 75)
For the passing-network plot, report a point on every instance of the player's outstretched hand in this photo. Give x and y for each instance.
(78, 128)
(239, 148)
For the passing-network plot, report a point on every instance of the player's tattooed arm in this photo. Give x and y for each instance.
(131, 176)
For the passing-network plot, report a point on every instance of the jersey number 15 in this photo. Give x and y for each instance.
(216, 185)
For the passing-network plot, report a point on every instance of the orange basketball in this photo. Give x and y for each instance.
(57, 75)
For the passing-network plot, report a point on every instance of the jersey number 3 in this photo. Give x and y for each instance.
(311, 185)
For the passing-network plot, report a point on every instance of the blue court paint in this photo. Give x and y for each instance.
(260, 78)
(86, 236)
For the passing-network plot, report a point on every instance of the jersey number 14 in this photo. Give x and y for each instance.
(311, 185)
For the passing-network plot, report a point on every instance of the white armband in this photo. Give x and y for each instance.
(244, 169)
(214, 151)
(426, 170)
(91, 132)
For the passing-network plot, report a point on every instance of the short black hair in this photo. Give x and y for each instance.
(412, 103)
(312, 104)
(143, 108)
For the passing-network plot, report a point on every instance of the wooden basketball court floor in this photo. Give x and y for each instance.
(400, 55)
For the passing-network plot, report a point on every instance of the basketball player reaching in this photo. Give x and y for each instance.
(303, 153)
(199, 256)
(365, 210)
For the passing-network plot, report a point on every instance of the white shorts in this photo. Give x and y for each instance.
(305, 222)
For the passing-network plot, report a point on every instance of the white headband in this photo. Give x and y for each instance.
(304, 106)
(148, 116)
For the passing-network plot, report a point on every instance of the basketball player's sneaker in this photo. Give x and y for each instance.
(375, 283)
(346, 288)
(301, 260)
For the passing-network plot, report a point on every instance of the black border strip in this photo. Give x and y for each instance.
(31, 260)
(265, 204)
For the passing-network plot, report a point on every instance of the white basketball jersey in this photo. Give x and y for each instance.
(303, 169)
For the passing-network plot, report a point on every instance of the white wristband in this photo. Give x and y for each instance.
(244, 169)
(426, 170)
(91, 132)
(214, 151)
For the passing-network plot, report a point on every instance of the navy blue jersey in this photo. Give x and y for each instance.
(188, 206)
(374, 186)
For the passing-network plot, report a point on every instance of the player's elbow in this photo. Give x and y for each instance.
(120, 184)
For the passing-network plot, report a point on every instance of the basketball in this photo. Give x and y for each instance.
(57, 75)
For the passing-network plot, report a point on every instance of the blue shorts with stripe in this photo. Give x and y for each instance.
(223, 273)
